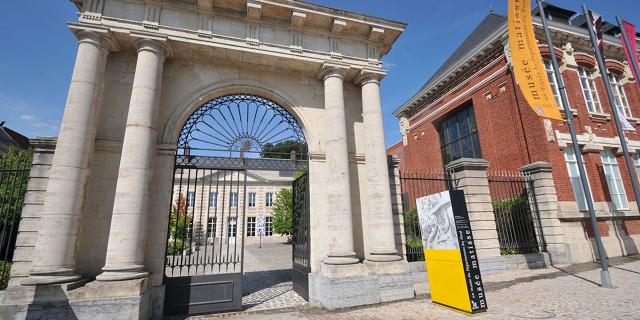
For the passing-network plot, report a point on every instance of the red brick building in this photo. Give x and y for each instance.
(472, 107)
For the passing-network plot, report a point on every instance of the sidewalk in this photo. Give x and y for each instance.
(562, 292)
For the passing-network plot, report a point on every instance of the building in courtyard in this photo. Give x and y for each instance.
(215, 192)
(472, 107)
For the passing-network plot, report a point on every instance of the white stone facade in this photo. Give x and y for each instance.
(142, 68)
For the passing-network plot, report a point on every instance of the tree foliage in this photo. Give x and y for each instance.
(15, 165)
(178, 227)
(283, 212)
(282, 150)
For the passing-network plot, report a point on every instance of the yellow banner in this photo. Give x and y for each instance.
(527, 62)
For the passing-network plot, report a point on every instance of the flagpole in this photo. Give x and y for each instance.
(614, 107)
(632, 55)
(605, 279)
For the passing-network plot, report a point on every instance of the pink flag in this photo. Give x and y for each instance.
(630, 31)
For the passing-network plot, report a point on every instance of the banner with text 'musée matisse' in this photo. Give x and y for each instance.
(527, 62)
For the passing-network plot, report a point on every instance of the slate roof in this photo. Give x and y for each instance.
(10, 138)
(489, 25)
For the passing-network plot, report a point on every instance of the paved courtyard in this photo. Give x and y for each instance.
(564, 292)
(267, 277)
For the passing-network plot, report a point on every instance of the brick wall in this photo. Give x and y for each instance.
(512, 135)
(632, 226)
(602, 226)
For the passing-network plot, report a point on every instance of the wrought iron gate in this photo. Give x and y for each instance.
(515, 212)
(205, 245)
(301, 236)
(219, 144)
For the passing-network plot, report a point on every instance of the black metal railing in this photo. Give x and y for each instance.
(14, 176)
(515, 212)
(415, 185)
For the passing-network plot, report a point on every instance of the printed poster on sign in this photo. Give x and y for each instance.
(449, 250)
(261, 223)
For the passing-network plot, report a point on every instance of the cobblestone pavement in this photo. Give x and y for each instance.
(267, 278)
(564, 292)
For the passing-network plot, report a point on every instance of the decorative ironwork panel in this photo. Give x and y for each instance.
(15, 165)
(515, 212)
(243, 126)
(301, 236)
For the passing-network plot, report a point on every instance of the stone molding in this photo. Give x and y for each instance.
(332, 69)
(467, 164)
(98, 35)
(368, 75)
(537, 167)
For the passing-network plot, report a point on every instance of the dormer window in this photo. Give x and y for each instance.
(589, 90)
(619, 95)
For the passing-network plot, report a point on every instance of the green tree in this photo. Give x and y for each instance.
(282, 150)
(283, 212)
(15, 165)
(13, 183)
(178, 227)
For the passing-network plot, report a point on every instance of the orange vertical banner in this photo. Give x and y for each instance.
(527, 62)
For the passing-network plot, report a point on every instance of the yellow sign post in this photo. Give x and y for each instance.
(527, 62)
(450, 255)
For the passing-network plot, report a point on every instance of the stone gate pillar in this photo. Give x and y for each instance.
(55, 253)
(126, 247)
(471, 177)
(379, 213)
(339, 213)
(543, 192)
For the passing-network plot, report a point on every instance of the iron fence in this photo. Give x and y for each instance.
(415, 185)
(14, 175)
(515, 212)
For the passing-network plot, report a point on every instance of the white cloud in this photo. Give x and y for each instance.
(389, 65)
(27, 117)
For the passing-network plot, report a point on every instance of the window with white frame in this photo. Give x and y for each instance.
(232, 228)
(636, 162)
(614, 180)
(574, 178)
(251, 226)
(588, 84)
(233, 200)
(619, 95)
(252, 199)
(268, 226)
(268, 199)
(191, 199)
(211, 227)
(213, 199)
(548, 67)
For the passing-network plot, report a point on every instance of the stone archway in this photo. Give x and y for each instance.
(98, 230)
(231, 150)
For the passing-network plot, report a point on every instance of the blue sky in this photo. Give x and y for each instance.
(38, 51)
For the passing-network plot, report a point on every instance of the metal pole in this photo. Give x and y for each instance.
(614, 107)
(605, 279)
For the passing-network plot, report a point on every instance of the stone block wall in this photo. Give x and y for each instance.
(43, 149)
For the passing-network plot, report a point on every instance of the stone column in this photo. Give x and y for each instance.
(379, 212)
(339, 213)
(125, 250)
(396, 204)
(55, 253)
(471, 177)
(543, 193)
